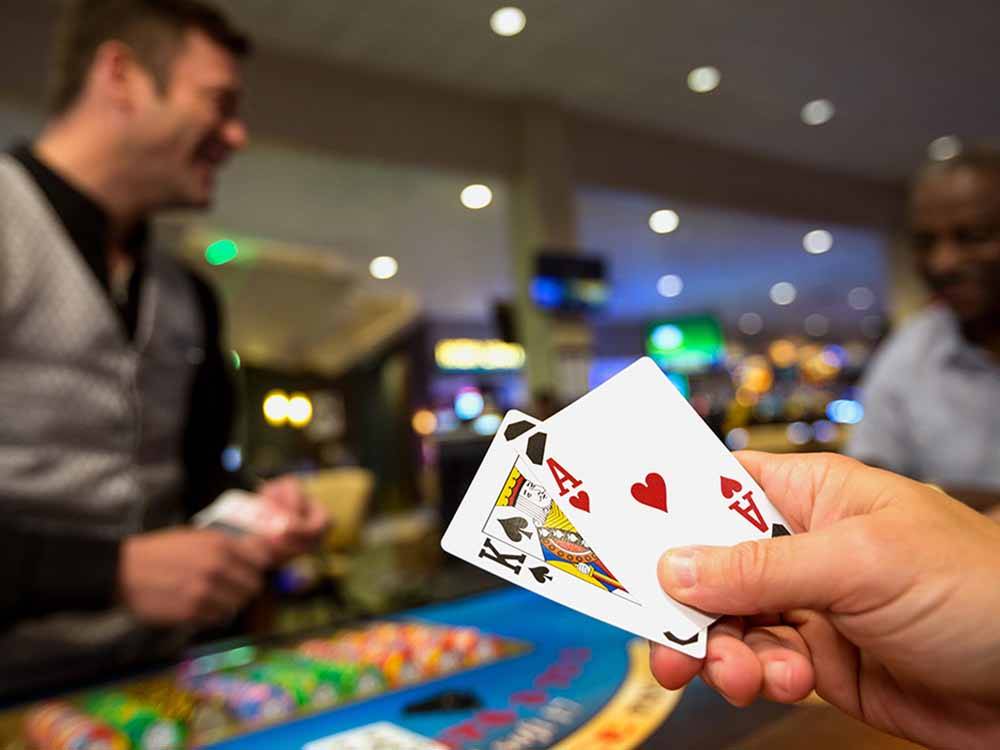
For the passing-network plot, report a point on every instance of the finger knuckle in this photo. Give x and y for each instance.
(748, 562)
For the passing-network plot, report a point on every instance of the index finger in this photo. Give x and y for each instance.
(813, 490)
(252, 550)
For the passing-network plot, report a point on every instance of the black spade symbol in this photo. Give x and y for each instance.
(515, 527)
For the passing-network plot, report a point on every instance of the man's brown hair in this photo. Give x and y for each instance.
(153, 29)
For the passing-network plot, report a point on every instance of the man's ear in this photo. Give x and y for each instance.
(117, 78)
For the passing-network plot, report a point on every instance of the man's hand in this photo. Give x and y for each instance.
(307, 520)
(886, 603)
(190, 577)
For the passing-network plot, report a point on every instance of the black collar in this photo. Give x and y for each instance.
(89, 226)
(87, 223)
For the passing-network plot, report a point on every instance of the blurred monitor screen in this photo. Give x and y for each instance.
(686, 345)
(569, 282)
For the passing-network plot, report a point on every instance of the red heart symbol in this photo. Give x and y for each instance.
(730, 487)
(653, 493)
(581, 500)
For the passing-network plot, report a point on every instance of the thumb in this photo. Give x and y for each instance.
(766, 575)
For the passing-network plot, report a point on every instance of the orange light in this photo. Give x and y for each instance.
(424, 422)
(783, 353)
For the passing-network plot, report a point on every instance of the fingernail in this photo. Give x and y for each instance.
(682, 567)
(777, 675)
(713, 670)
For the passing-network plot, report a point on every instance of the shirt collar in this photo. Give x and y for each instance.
(87, 223)
(958, 351)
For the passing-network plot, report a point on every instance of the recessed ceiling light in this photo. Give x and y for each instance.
(817, 242)
(670, 285)
(383, 267)
(817, 325)
(944, 148)
(476, 196)
(861, 298)
(508, 21)
(664, 221)
(817, 112)
(704, 79)
(751, 323)
(783, 293)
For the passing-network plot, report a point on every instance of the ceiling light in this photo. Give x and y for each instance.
(424, 422)
(664, 221)
(944, 148)
(300, 410)
(817, 112)
(669, 285)
(783, 293)
(383, 267)
(817, 242)
(221, 252)
(751, 323)
(817, 325)
(508, 21)
(861, 298)
(275, 407)
(704, 79)
(476, 196)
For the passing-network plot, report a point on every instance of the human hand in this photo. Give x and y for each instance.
(886, 603)
(190, 576)
(307, 520)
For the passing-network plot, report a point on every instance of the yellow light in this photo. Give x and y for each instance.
(300, 410)
(383, 267)
(509, 21)
(424, 422)
(475, 197)
(664, 221)
(756, 375)
(476, 354)
(276, 408)
(783, 353)
(746, 397)
(704, 79)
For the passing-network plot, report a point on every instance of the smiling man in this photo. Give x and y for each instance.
(115, 402)
(932, 395)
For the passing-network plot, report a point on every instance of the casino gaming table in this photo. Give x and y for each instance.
(550, 677)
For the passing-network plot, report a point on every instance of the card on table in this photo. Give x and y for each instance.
(508, 525)
(632, 464)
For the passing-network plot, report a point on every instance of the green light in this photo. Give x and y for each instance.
(236, 359)
(221, 251)
(685, 345)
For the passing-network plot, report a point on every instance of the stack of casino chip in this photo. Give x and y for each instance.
(145, 727)
(347, 681)
(475, 647)
(393, 659)
(303, 684)
(57, 725)
(406, 652)
(205, 719)
(249, 701)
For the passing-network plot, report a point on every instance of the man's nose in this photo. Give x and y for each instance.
(945, 256)
(236, 134)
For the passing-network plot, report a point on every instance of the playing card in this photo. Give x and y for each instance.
(508, 524)
(633, 464)
(240, 512)
(382, 735)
